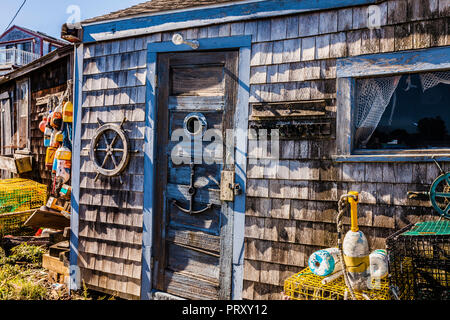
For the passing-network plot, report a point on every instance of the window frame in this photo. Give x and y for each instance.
(27, 148)
(348, 70)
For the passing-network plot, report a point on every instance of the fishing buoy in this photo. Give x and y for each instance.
(64, 153)
(54, 166)
(43, 124)
(47, 136)
(58, 139)
(50, 157)
(63, 170)
(56, 118)
(325, 262)
(54, 139)
(378, 264)
(63, 157)
(68, 112)
(356, 251)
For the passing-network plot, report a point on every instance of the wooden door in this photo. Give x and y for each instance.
(196, 96)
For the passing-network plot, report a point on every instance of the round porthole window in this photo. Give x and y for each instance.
(195, 124)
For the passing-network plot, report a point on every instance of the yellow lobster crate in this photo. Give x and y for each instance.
(18, 200)
(12, 223)
(17, 195)
(307, 286)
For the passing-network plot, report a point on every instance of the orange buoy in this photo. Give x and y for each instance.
(43, 124)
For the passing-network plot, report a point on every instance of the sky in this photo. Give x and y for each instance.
(49, 15)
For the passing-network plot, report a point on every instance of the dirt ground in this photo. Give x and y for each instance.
(23, 278)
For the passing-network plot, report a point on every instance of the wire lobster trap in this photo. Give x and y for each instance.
(17, 195)
(419, 261)
(307, 286)
(12, 224)
(18, 198)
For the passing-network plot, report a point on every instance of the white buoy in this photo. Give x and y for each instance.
(356, 251)
(325, 262)
(378, 264)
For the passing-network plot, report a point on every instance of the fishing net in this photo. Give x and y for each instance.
(432, 79)
(372, 97)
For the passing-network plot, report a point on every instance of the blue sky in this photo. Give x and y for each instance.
(49, 15)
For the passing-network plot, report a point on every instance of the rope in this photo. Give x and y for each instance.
(342, 206)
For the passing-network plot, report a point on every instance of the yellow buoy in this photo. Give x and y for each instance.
(68, 112)
(50, 157)
(356, 251)
(64, 153)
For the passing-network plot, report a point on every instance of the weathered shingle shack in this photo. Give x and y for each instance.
(359, 94)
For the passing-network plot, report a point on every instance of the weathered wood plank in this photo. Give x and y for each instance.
(114, 233)
(116, 216)
(185, 285)
(111, 249)
(328, 21)
(261, 53)
(308, 24)
(345, 19)
(200, 81)
(278, 29)
(291, 50)
(308, 48)
(323, 47)
(134, 183)
(205, 196)
(420, 60)
(210, 222)
(203, 266)
(194, 239)
(191, 103)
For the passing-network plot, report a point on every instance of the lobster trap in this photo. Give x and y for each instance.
(12, 224)
(307, 286)
(17, 195)
(419, 261)
(18, 198)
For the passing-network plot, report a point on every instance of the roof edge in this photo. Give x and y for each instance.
(35, 33)
(208, 15)
(156, 13)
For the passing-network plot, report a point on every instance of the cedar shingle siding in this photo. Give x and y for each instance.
(291, 207)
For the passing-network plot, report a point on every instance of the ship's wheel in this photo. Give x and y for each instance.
(109, 150)
(440, 195)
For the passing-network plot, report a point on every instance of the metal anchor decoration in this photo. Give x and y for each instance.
(109, 150)
(191, 193)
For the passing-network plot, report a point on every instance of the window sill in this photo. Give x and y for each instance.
(23, 152)
(392, 158)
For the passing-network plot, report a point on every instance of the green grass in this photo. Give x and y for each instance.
(23, 278)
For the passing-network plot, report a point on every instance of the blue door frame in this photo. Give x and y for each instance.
(243, 43)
